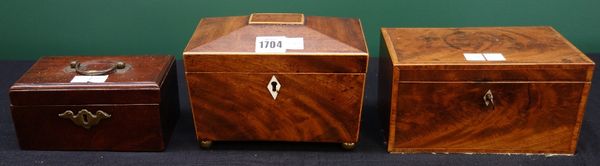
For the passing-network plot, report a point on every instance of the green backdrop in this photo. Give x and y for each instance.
(33, 28)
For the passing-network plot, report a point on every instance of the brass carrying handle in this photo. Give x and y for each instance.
(85, 118)
(114, 66)
(488, 99)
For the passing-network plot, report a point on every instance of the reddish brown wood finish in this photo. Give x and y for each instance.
(39, 127)
(452, 117)
(146, 71)
(322, 36)
(435, 99)
(321, 86)
(509, 74)
(142, 103)
(276, 18)
(309, 107)
(444, 47)
(277, 64)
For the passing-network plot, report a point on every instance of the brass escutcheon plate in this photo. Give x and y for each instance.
(85, 118)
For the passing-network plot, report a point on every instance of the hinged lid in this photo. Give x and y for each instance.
(237, 34)
(277, 42)
(486, 48)
(485, 54)
(131, 80)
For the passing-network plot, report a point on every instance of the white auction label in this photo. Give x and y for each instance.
(92, 79)
(494, 57)
(484, 57)
(474, 56)
(294, 43)
(277, 44)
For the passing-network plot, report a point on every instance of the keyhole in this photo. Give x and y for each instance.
(85, 118)
(274, 86)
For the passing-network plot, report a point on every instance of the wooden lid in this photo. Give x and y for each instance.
(237, 34)
(48, 81)
(277, 18)
(445, 47)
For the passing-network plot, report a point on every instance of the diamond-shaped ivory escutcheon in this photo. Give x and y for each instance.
(273, 86)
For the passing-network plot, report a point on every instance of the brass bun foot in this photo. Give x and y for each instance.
(205, 144)
(348, 145)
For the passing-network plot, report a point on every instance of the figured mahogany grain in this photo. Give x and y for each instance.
(508, 74)
(276, 64)
(143, 105)
(322, 85)
(49, 71)
(444, 47)
(309, 107)
(321, 35)
(527, 118)
(434, 98)
(130, 128)
(47, 78)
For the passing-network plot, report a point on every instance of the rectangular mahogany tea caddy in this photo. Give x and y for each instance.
(116, 103)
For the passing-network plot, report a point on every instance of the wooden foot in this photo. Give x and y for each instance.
(205, 144)
(348, 145)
